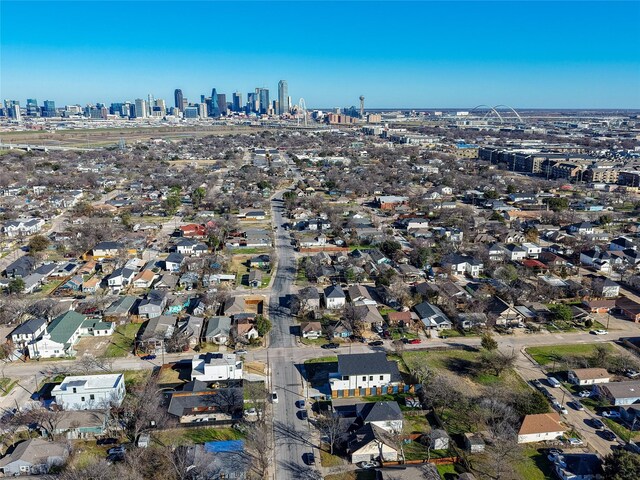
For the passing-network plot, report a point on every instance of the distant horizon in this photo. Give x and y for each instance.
(547, 55)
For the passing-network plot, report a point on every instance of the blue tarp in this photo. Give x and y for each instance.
(224, 446)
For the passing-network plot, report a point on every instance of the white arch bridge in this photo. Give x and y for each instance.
(495, 110)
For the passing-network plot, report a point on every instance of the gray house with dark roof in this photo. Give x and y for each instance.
(28, 331)
(386, 415)
(198, 403)
(432, 317)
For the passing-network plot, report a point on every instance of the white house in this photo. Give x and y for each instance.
(533, 250)
(211, 367)
(28, 331)
(540, 427)
(22, 226)
(361, 371)
(59, 338)
(514, 252)
(334, 297)
(86, 392)
(588, 376)
(120, 278)
(372, 443)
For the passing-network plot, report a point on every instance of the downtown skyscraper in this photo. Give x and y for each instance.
(179, 99)
(283, 97)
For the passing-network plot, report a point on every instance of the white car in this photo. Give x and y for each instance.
(584, 394)
(599, 332)
(575, 442)
(274, 397)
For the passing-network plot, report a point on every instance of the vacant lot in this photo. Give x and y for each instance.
(560, 353)
(122, 340)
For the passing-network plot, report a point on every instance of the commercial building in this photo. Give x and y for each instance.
(283, 97)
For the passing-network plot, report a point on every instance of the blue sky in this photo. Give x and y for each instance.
(576, 54)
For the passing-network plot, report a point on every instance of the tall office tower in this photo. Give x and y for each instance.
(32, 107)
(141, 108)
(150, 104)
(237, 102)
(202, 110)
(252, 101)
(283, 97)
(263, 98)
(16, 114)
(160, 103)
(178, 97)
(222, 103)
(125, 111)
(214, 110)
(49, 109)
(116, 109)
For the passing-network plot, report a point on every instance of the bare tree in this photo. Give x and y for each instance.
(353, 316)
(259, 447)
(332, 426)
(141, 409)
(46, 420)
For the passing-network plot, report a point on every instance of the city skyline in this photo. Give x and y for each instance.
(397, 54)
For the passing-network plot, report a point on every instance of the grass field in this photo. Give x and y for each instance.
(322, 360)
(534, 466)
(122, 340)
(557, 353)
(6, 385)
(447, 472)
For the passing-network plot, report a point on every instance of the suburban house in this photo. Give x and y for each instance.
(35, 456)
(311, 297)
(121, 308)
(106, 249)
(540, 427)
(218, 330)
(400, 319)
(389, 202)
(155, 333)
(606, 288)
(629, 308)
(363, 374)
(621, 393)
(173, 262)
(234, 305)
(432, 317)
(86, 392)
(21, 267)
(514, 252)
(60, 337)
(372, 443)
(28, 331)
(144, 279)
(212, 367)
(386, 415)
(153, 305)
(462, 264)
(334, 297)
(359, 295)
(588, 376)
(311, 329)
(22, 226)
(471, 320)
(120, 277)
(503, 314)
(191, 247)
(260, 261)
(473, 442)
(80, 424)
(198, 403)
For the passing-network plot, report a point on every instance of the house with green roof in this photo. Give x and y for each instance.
(62, 334)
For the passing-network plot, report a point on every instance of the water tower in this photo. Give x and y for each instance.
(361, 106)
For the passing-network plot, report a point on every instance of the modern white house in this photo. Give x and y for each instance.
(87, 392)
(28, 331)
(59, 338)
(334, 297)
(360, 372)
(22, 226)
(211, 367)
(533, 250)
(540, 427)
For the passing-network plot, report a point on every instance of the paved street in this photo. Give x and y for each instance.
(290, 431)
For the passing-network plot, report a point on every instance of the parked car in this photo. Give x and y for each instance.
(368, 464)
(116, 450)
(330, 345)
(537, 384)
(376, 343)
(608, 435)
(611, 414)
(240, 352)
(414, 341)
(301, 404)
(386, 334)
(576, 405)
(598, 332)
(595, 423)
(584, 393)
(561, 408)
(553, 381)
(249, 412)
(309, 458)
(632, 373)
(149, 357)
(575, 442)
(274, 397)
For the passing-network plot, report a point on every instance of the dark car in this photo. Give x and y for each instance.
(309, 458)
(107, 441)
(149, 357)
(376, 343)
(330, 345)
(357, 338)
(595, 423)
(116, 450)
(608, 435)
(386, 334)
(537, 384)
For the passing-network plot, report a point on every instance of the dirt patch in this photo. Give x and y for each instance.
(95, 346)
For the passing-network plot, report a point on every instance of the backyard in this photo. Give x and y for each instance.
(557, 355)
(122, 341)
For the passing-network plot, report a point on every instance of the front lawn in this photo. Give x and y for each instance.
(122, 341)
(322, 360)
(558, 353)
(194, 436)
(327, 460)
(534, 465)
